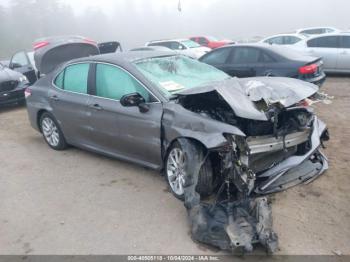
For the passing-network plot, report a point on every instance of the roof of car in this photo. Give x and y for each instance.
(128, 56)
(316, 27)
(165, 40)
(286, 34)
(327, 34)
(258, 44)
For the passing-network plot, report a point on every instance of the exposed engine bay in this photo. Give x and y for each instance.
(275, 154)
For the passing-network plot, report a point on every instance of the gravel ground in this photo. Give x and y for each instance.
(76, 202)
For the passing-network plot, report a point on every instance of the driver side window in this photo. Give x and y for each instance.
(113, 83)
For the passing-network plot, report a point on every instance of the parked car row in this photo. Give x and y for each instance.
(306, 58)
(183, 46)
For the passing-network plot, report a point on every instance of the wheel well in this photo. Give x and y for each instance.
(197, 142)
(40, 113)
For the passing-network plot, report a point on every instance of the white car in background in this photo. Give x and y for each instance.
(182, 46)
(283, 39)
(311, 31)
(333, 48)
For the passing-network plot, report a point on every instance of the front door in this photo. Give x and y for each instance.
(21, 63)
(326, 47)
(124, 131)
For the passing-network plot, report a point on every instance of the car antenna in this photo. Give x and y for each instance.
(179, 7)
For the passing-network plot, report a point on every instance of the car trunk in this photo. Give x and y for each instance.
(51, 52)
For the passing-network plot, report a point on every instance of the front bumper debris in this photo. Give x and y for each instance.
(296, 169)
(239, 217)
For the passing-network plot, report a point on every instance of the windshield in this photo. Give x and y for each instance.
(190, 44)
(175, 73)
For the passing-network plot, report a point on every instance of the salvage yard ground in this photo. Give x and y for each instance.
(76, 202)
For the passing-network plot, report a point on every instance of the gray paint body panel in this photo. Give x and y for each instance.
(129, 134)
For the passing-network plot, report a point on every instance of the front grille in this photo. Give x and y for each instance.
(8, 85)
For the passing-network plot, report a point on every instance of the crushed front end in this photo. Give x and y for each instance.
(286, 151)
(280, 148)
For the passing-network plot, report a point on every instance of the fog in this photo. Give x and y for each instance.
(134, 22)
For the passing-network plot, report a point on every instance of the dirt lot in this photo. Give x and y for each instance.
(76, 202)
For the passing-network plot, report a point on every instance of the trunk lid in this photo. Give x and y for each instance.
(53, 51)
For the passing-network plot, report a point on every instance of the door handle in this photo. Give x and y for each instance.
(54, 97)
(96, 107)
(343, 53)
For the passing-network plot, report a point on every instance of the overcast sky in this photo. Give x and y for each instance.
(133, 22)
(231, 18)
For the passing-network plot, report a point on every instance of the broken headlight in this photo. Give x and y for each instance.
(303, 118)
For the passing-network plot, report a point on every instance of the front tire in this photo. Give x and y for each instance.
(175, 172)
(52, 132)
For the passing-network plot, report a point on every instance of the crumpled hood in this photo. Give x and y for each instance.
(241, 94)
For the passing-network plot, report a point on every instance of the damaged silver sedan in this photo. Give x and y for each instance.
(213, 135)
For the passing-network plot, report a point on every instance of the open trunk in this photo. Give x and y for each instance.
(51, 52)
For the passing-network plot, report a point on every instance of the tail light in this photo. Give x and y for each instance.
(40, 45)
(90, 41)
(308, 69)
(27, 92)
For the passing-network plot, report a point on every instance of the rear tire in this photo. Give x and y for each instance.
(51, 132)
(175, 172)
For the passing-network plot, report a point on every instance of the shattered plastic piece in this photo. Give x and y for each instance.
(227, 224)
(337, 252)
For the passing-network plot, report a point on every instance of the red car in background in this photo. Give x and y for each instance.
(210, 41)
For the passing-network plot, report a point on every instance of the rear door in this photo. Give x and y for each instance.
(124, 131)
(326, 47)
(218, 58)
(245, 62)
(20, 62)
(69, 99)
(344, 54)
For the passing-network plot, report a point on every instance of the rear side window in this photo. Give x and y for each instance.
(290, 40)
(266, 58)
(216, 57)
(278, 40)
(59, 80)
(324, 42)
(245, 55)
(165, 44)
(113, 83)
(314, 31)
(345, 42)
(76, 78)
(202, 41)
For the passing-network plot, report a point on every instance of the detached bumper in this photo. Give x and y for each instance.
(296, 169)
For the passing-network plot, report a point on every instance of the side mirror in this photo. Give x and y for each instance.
(134, 99)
